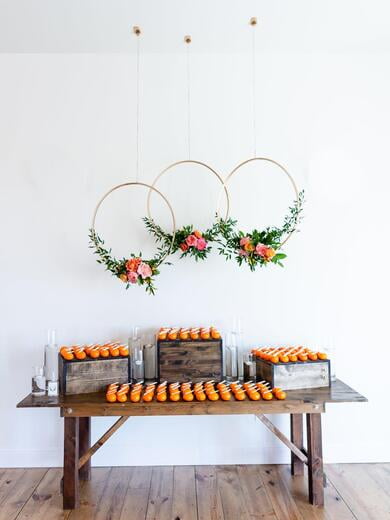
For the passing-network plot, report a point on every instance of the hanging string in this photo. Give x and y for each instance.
(253, 23)
(187, 40)
(137, 32)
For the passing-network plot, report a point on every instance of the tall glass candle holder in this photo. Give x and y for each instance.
(231, 358)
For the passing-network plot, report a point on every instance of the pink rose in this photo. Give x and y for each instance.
(144, 270)
(191, 240)
(202, 244)
(132, 276)
(243, 253)
(261, 250)
(244, 241)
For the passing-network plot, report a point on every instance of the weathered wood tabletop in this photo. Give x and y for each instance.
(77, 411)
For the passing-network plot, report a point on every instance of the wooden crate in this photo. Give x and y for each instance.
(91, 375)
(189, 360)
(294, 375)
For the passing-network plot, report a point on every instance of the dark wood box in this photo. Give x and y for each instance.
(91, 375)
(189, 360)
(294, 375)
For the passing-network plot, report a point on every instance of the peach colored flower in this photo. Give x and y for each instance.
(261, 249)
(265, 251)
(249, 247)
(198, 234)
(132, 276)
(123, 277)
(242, 253)
(270, 253)
(133, 264)
(202, 244)
(183, 246)
(144, 270)
(191, 240)
(244, 241)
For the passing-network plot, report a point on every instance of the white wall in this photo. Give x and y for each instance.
(67, 135)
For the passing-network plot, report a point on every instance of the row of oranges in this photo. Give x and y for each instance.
(94, 351)
(288, 354)
(173, 333)
(187, 392)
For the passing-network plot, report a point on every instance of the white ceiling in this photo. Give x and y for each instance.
(216, 25)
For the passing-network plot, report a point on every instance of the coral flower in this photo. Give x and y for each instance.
(132, 276)
(133, 264)
(270, 253)
(184, 246)
(202, 244)
(191, 240)
(249, 247)
(198, 234)
(244, 241)
(144, 270)
(242, 252)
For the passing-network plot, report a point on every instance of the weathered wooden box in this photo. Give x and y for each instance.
(189, 360)
(91, 375)
(292, 376)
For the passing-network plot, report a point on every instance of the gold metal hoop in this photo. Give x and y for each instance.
(295, 188)
(190, 161)
(151, 188)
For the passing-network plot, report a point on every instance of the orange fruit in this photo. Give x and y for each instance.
(148, 397)
(135, 397)
(104, 352)
(121, 397)
(254, 395)
(293, 358)
(281, 395)
(174, 396)
(302, 356)
(274, 358)
(162, 397)
(283, 358)
(172, 335)
(68, 355)
(225, 395)
(322, 355)
(267, 396)
(312, 356)
(205, 334)
(111, 397)
(123, 350)
(188, 396)
(94, 353)
(200, 396)
(240, 395)
(215, 334)
(114, 351)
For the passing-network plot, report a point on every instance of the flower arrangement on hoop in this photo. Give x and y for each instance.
(259, 248)
(187, 240)
(132, 270)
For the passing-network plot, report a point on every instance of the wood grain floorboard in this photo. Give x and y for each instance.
(229, 487)
(112, 499)
(254, 494)
(160, 496)
(278, 494)
(18, 488)
(207, 495)
(184, 494)
(365, 498)
(137, 496)
(243, 492)
(335, 507)
(46, 500)
(91, 493)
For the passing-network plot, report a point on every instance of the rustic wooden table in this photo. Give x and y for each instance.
(77, 411)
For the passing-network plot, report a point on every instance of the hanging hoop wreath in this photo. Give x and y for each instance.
(134, 269)
(188, 240)
(260, 247)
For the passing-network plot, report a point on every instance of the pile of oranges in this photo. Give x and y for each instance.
(197, 392)
(94, 351)
(174, 333)
(288, 354)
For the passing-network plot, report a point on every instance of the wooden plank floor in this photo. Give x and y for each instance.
(354, 491)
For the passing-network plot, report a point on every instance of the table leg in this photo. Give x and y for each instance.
(71, 463)
(315, 463)
(84, 445)
(296, 436)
